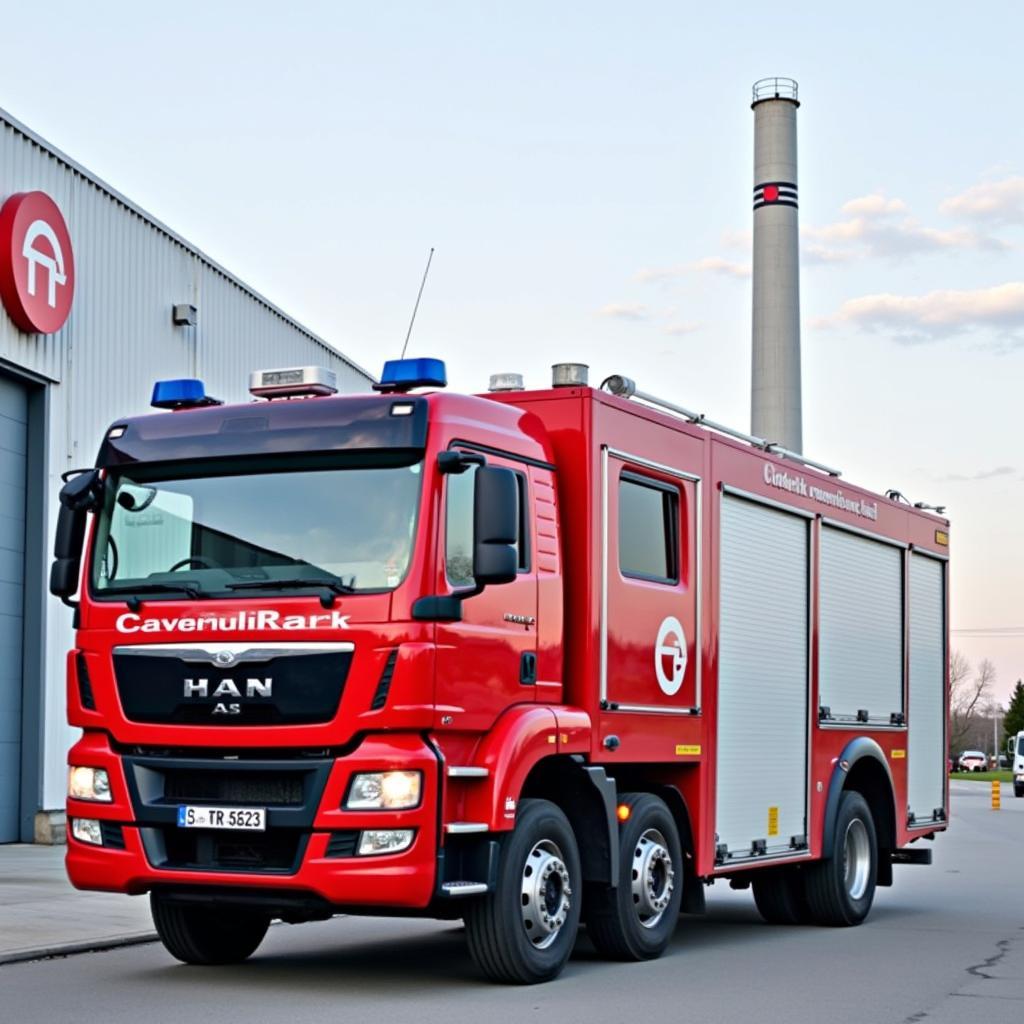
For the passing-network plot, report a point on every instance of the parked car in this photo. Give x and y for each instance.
(973, 761)
(998, 761)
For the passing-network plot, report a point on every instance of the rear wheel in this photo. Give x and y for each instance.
(202, 935)
(636, 919)
(841, 888)
(780, 896)
(524, 931)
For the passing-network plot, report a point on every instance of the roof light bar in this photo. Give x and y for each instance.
(292, 382)
(405, 374)
(183, 393)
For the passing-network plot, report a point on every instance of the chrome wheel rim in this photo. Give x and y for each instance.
(856, 859)
(652, 878)
(546, 893)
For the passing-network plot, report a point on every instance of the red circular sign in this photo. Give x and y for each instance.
(37, 266)
(771, 193)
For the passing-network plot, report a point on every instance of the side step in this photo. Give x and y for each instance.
(911, 856)
(464, 888)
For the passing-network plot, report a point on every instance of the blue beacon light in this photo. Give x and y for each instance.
(404, 374)
(183, 393)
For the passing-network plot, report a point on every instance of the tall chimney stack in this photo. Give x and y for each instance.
(775, 407)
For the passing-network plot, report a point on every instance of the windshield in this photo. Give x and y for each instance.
(230, 535)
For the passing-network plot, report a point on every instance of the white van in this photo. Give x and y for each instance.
(1015, 748)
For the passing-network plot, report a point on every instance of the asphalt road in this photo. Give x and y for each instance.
(944, 944)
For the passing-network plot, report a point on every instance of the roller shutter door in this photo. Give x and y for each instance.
(926, 786)
(761, 788)
(13, 448)
(861, 627)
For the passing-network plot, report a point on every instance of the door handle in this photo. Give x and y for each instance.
(528, 668)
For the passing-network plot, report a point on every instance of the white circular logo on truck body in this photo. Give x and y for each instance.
(670, 656)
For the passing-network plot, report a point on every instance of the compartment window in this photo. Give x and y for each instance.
(648, 529)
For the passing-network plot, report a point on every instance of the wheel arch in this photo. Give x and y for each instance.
(587, 796)
(862, 768)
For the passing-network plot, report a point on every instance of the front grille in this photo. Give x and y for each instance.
(259, 788)
(343, 844)
(179, 687)
(276, 850)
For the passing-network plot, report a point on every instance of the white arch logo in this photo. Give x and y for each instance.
(53, 265)
(670, 649)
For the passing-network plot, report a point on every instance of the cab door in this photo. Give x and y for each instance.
(650, 621)
(488, 661)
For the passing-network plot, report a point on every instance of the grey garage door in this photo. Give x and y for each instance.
(13, 447)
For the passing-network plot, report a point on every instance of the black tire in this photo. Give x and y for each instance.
(841, 888)
(780, 896)
(521, 937)
(202, 935)
(1018, 790)
(637, 919)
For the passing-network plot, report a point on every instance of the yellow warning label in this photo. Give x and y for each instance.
(942, 537)
(773, 821)
(898, 755)
(684, 749)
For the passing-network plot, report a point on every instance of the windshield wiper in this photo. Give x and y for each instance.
(332, 586)
(189, 589)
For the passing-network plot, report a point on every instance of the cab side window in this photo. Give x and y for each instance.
(648, 529)
(458, 544)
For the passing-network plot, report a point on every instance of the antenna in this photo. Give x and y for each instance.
(415, 309)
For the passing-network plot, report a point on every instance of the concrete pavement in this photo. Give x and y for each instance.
(42, 915)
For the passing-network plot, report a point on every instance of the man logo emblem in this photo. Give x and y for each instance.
(224, 658)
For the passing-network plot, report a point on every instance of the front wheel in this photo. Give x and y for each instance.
(841, 888)
(1018, 790)
(636, 919)
(202, 935)
(524, 931)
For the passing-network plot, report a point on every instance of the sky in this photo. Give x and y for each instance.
(583, 171)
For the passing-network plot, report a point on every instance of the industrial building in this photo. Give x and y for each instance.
(99, 300)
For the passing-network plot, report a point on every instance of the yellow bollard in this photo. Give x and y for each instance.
(995, 795)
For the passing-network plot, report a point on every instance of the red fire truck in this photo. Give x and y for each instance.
(530, 658)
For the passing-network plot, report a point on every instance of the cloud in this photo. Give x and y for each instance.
(983, 474)
(998, 202)
(624, 311)
(707, 265)
(878, 226)
(679, 329)
(872, 206)
(938, 314)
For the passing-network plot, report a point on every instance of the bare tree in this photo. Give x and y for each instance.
(968, 695)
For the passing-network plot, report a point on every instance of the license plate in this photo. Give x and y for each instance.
(238, 819)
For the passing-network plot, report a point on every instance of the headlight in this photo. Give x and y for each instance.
(384, 840)
(87, 830)
(89, 784)
(391, 791)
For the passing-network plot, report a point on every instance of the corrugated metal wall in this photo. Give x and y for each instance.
(130, 270)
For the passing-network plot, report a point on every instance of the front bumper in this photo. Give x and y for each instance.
(309, 846)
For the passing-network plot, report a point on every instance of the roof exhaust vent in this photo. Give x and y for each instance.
(569, 375)
(506, 382)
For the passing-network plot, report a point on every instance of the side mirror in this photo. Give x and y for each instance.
(1009, 745)
(495, 526)
(78, 497)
